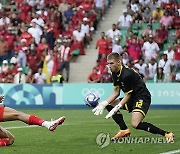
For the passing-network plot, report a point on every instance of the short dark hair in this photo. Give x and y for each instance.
(114, 55)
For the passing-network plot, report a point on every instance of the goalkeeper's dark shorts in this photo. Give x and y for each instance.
(138, 105)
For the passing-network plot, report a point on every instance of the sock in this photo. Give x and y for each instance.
(33, 120)
(150, 128)
(118, 118)
(4, 142)
(45, 124)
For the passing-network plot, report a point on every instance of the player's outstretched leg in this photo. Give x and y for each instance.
(9, 114)
(118, 118)
(137, 123)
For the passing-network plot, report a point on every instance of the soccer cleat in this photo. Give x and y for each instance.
(55, 123)
(121, 134)
(169, 137)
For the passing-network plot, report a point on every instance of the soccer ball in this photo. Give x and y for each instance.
(92, 99)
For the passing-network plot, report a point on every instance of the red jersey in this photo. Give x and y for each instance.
(93, 76)
(102, 45)
(33, 62)
(26, 36)
(109, 48)
(10, 39)
(177, 52)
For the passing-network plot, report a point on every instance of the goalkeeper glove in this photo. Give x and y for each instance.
(99, 109)
(113, 111)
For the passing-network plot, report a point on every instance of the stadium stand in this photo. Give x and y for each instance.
(150, 37)
(46, 34)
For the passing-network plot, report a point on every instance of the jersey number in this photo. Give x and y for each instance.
(139, 104)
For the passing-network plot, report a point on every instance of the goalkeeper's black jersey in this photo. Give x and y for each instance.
(130, 82)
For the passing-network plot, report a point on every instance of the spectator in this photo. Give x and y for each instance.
(159, 76)
(50, 62)
(125, 20)
(168, 68)
(101, 45)
(30, 77)
(157, 14)
(113, 33)
(13, 67)
(106, 77)
(147, 15)
(125, 58)
(134, 6)
(35, 31)
(144, 3)
(23, 49)
(97, 66)
(20, 77)
(177, 55)
(5, 66)
(25, 35)
(177, 78)
(63, 6)
(4, 20)
(134, 50)
(161, 35)
(15, 20)
(48, 34)
(42, 47)
(4, 48)
(86, 30)
(143, 68)
(176, 20)
(10, 38)
(39, 77)
(64, 50)
(150, 49)
(138, 17)
(152, 69)
(129, 11)
(33, 61)
(68, 13)
(147, 31)
(117, 47)
(79, 36)
(170, 53)
(100, 7)
(109, 46)
(94, 77)
(103, 63)
(58, 78)
(166, 20)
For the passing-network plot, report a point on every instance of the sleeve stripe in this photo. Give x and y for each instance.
(129, 92)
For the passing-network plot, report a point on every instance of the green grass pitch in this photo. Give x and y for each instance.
(78, 133)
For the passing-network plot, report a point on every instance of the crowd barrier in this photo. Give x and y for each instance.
(164, 95)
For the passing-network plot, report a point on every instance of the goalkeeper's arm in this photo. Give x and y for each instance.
(114, 95)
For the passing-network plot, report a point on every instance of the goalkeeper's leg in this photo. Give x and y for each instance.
(137, 123)
(118, 118)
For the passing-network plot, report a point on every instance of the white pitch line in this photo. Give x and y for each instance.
(17, 127)
(75, 124)
(171, 152)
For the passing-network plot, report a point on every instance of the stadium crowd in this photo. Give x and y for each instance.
(147, 36)
(39, 38)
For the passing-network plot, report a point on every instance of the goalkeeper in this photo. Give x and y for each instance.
(137, 100)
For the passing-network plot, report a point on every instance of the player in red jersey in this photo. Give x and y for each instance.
(9, 114)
